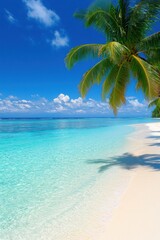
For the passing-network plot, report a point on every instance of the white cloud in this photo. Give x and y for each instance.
(77, 101)
(60, 40)
(136, 103)
(10, 17)
(63, 104)
(61, 98)
(39, 12)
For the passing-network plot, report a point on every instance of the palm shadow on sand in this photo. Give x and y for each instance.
(156, 139)
(128, 161)
(155, 144)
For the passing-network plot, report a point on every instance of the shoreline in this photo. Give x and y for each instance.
(137, 216)
(100, 222)
(100, 216)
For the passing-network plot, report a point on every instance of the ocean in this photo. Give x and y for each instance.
(57, 174)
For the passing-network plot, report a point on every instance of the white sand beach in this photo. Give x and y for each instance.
(138, 214)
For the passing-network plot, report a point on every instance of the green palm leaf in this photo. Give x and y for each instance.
(117, 97)
(101, 19)
(153, 57)
(115, 51)
(147, 76)
(156, 112)
(105, 19)
(143, 15)
(116, 83)
(94, 75)
(109, 81)
(125, 10)
(150, 43)
(155, 102)
(81, 52)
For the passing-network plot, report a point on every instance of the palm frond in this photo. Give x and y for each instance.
(109, 81)
(151, 42)
(106, 20)
(94, 75)
(117, 97)
(156, 112)
(155, 102)
(116, 83)
(125, 10)
(78, 53)
(142, 16)
(153, 57)
(115, 51)
(146, 75)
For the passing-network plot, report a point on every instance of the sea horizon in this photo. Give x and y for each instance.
(88, 117)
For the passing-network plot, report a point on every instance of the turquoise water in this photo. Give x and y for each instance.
(45, 170)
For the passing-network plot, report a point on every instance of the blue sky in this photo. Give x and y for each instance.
(35, 38)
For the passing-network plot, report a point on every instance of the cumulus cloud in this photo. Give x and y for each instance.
(136, 103)
(60, 40)
(61, 98)
(64, 104)
(37, 11)
(10, 17)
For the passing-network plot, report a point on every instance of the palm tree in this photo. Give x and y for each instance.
(126, 50)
